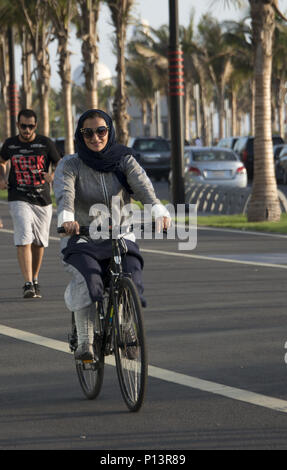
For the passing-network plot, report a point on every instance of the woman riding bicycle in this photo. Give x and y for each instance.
(100, 170)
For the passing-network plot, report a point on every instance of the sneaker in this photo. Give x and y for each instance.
(84, 352)
(28, 290)
(37, 290)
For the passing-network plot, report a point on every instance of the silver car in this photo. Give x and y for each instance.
(214, 165)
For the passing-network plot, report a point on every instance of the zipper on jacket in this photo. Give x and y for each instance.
(105, 191)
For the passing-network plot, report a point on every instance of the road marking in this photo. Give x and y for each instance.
(245, 396)
(243, 232)
(188, 255)
(213, 258)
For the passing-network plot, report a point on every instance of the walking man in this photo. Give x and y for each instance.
(29, 196)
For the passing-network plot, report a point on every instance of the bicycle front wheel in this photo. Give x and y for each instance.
(129, 344)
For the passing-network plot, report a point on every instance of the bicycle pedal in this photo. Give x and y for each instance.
(72, 343)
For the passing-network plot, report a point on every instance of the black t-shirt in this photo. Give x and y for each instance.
(28, 161)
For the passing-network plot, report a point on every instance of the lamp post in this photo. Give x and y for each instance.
(13, 91)
(176, 93)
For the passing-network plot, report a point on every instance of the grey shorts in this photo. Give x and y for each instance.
(31, 223)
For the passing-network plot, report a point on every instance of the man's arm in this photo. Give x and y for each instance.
(3, 183)
(49, 177)
(54, 157)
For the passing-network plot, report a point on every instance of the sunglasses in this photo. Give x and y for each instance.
(88, 132)
(30, 126)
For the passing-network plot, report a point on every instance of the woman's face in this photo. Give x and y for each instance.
(98, 140)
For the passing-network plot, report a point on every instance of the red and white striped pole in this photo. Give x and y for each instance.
(176, 93)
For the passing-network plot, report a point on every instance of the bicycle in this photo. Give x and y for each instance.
(120, 331)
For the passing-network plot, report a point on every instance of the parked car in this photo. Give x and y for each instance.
(244, 147)
(154, 155)
(281, 165)
(213, 165)
(60, 145)
(279, 170)
(227, 142)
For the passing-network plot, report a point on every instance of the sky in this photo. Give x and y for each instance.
(156, 13)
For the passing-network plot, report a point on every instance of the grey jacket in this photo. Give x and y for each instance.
(78, 188)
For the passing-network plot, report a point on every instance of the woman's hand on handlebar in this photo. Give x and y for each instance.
(71, 228)
(162, 223)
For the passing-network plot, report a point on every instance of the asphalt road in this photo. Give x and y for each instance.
(216, 332)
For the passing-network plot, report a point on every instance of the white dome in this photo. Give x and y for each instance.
(104, 75)
(145, 24)
(145, 27)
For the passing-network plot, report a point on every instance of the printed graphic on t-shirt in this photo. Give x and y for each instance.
(29, 162)
(29, 170)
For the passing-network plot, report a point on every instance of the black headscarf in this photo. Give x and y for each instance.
(107, 159)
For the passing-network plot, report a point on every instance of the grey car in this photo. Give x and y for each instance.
(214, 165)
(154, 155)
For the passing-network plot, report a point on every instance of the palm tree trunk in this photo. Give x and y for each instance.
(264, 203)
(220, 110)
(120, 12)
(280, 107)
(187, 106)
(4, 81)
(43, 88)
(65, 74)
(89, 19)
(36, 20)
(26, 97)
(144, 113)
(120, 103)
(234, 122)
(203, 108)
(252, 107)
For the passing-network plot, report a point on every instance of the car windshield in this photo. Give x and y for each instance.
(151, 145)
(213, 156)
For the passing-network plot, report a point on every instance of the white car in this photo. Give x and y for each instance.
(214, 165)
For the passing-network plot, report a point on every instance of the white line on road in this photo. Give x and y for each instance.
(252, 398)
(213, 258)
(202, 257)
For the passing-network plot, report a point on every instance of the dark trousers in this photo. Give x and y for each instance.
(95, 273)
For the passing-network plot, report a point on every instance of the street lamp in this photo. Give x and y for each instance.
(176, 93)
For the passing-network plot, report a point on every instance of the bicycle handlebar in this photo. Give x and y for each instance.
(85, 229)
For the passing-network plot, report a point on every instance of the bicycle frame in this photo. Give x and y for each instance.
(116, 272)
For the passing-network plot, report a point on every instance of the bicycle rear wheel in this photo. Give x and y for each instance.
(129, 344)
(91, 373)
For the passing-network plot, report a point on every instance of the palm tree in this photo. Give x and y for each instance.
(37, 20)
(264, 203)
(121, 14)
(6, 20)
(10, 18)
(145, 75)
(61, 13)
(195, 72)
(27, 51)
(218, 54)
(238, 35)
(86, 22)
(142, 87)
